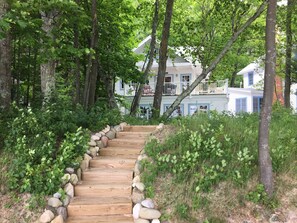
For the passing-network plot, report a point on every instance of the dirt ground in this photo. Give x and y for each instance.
(14, 208)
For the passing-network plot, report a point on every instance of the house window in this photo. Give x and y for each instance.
(169, 87)
(122, 84)
(145, 111)
(185, 80)
(257, 104)
(251, 78)
(198, 108)
(241, 105)
(177, 112)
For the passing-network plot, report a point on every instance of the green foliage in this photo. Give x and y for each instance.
(39, 162)
(259, 196)
(207, 150)
(182, 210)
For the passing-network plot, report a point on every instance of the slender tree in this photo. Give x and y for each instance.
(162, 59)
(265, 164)
(215, 61)
(288, 53)
(5, 61)
(92, 69)
(136, 99)
(47, 68)
(77, 60)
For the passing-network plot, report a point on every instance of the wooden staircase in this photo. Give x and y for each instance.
(104, 195)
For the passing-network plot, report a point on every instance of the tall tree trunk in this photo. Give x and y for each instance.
(47, 69)
(162, 60)
(77, 62)
(265, 164)
(235, 71)
(92, 69)
(5, 63)
(27, 98)
(109, 86)
(213, 63)
(288, 53)
(137, 97)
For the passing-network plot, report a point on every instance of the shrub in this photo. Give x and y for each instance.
(38, 162)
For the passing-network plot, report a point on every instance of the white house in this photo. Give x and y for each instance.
(206, 96)
(249, 98)
(180, 74)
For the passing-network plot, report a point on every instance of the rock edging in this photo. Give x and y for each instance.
(56, 209)
(144, 210)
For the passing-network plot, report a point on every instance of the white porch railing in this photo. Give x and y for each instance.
(176, 88)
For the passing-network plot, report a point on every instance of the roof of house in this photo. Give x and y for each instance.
(251, 67)
(177, 60)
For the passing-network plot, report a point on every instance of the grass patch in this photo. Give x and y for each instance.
(211, 163)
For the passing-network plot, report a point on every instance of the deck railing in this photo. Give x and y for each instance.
(176, 88)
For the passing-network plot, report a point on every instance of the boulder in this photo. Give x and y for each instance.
(100, 144)
(140, 186)
(111, 134)
(148, 203)
(54, 202)
(107, 129)
(93, 151)
(58, 219)
(63, 212)
(136, 210)
(104, 140)
(66, 200)
(69, 170)
(65, 179)
(122, 125)
(46, 217)
(155, 221)
(69, 190)
(148, 213)
(57, 195)
(99, 135)
(84, 165)
(78, 173)
(136, 179)
(141, 221)
(87, 157)
(73, 179)
(95, 137)
(137, 196)
(137, 168)
(92, 143)
(117, 128)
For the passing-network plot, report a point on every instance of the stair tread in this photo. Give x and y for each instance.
(104, 194)
(133, 147)
(114, 158)
(97, 201)
(100, 219)
(102, 185)
(127, 140)
(103, 170)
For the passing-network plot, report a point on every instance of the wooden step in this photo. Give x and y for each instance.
(90, 206)
(100, 175)
(140, 128)
(112, 162)
(133, 135)
(91, 189)
(135, 143)
(101, 219)
(115, 151)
